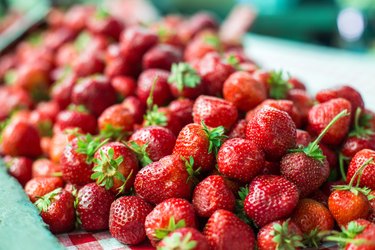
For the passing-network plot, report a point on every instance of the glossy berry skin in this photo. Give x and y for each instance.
(95, 93)
(37, 187)
(104, 26)
(353, 145)
(94, 203)
(169, 174)
(182, 233)
(160, 141)
(124, 85)
(160, 216)
(367, 178)
(182, 110)
(60, 215)
(273, 131)
(310, 214)
(321, 114)
(244, 91)
(238, 130)
(240, 159)
(224, 230)
(212, 194)
(12, 98)
(270, 198)
(19, 168)
(118, 117)
(44, 168)
(214, 112)
(162, 56)
(76, 119)
(303, 138)
(306, 172)
(136, 107)
(127, 219)
(200, 46)
(61, 91)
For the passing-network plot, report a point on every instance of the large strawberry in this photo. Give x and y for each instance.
(226, 231)
(76, 117)
(182, 110)
(367, 178)
(270, 198)
(184, 238)
(168, 216)
(127, 219)
(20, 168)
(37, 187)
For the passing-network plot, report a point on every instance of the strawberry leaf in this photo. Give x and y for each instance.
(45, 201)
(140, 151)
(233, 60)
(215, 137)
(155, 117)
(161, 233)
(358, 130)
(285, 239)
(88, 145)
(279, 85)
(175, 241)
(113, 132)
(183, 75)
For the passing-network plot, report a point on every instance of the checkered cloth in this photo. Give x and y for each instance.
(82, 240)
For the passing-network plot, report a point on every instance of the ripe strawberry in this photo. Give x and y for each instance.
(171, 174)
(364, 240)
(88, 63)
(37, 187)
(184, 81)
(136, 108)
(116, 122)
(303, 138)
(13, 98)
(240, 159)
(20, 138)
(162, 56)
(184, 238)
(124, 85)
(162, 117)
(214, 112)
(19, 168)
(273, 131)
(321, 114)
(57, 210)
(152, 143)
(117, 65)
(212, 194)
(94, 203)
(101, 23)
(76, 17)
(195, 24)
(296, 83)
(76, 117)
(238, 130)
(127, 219)
(367, 177)
(44, 168)
(182, 110)
(280, 235)
(204, 43)
(61, 91)
(372, 204)
(244, 91)
(226, 231)
(199, 142)
(59, 141)
(168, 216)
(270, 198)
(302, 101)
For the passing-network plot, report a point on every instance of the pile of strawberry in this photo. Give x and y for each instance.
(163, 131)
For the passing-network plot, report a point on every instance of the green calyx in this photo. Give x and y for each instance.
(215, 137)
(279, 84)
(214, 41)
(347, 235)
(233, 60)
(45, 201)
(358, 130)
(81, 41)
(365, 120)
(110, 131)
(342, 160)
(78, 221)
(239, 208)
(155, 117)
(101, 13)
(10, 76)
(314, 238)
(313, 150)
(88, 145)
(141, 152)
(189, 164)
(183, 75)
(176, 242)
(284, 239)
(161, 233)
(78, 108)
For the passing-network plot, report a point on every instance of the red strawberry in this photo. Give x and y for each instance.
(102, 24)
(372, 204)
(214, 112)
(270, 198)
(226, 231)
(57, 210)
(61, 91)
(367, 239)
(44, 168)
(124, 85)
(296, 83)
(273, 131)
(367, 177)
(182, 110)
(152, 143)
(136, 108)
(204, 43)
(196, 23)
(116, 121)
(76, 117)
(302, 101)
(238, 130)
(303, 138)
(171, 174)
(212, 194)
(59, 141)
(162, 117)
(19, 168)
(162, 56)
(13, 98)
(94, 203)
(117, 65)
(37, 187)
(244, 91)
(76, 17)
(88, 63)
(168, 216)
(240, 159)
(127, 219)
(280, 235)
(184, 238)
(321, 114)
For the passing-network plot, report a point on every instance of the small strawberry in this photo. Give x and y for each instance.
(136, 107)
(101, 23)
(226, 231)
(212, 194)
(296, 83)
(273, 131)
(270, 198)
(240, 159)
(182, 110)
(127, 219)
(168, 216)
(238, 130)
(37, 187)
(184, 238)
(198, 22)
(57, 210)
(162, 117)
(116, 65)
(19, 168)
(184, 81)
(367, 177)
(61, 91)
(204, 43)
(76, 117)
(94, 203)
(161, 56)
(45, 168)
(124, 85)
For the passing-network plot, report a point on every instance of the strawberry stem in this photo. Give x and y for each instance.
(285, 239)
(359, 172)
(359, 131)
(183, 75)
(161, 233)
(342, 159)
(45, 201)
(189, 164)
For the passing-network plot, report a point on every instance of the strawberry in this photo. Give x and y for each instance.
(321, 114)
(280, 235)
(184, 238)
(57, 210)
(204, 43)
(152, 143)
(201, 143)
(37, 187)
(303, 138)
(296, 83)
(101, 23)
(127, 218)
(270, 198)
(240, 159)
(212, 194)
(76, 117)
(45, 168)
(94, 203)
(273, 131)
(115, 167)
(162, 117)
(302, 101)
(367, 177)
(372, 204)
(238, 129)
(196, 23)
(184, 81)
(58, 142)
(278, 84)
(61, 91)
(19, 168)
(225, 231)
(171, 174)
(364, 240)
(76, 17)
(13, 98)
(214, 112)
(136, 108)
(182, 110)
(88, 63)
(162, 56)
(168, 216)
(117, 65)
(244, 91)
(124, 85)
